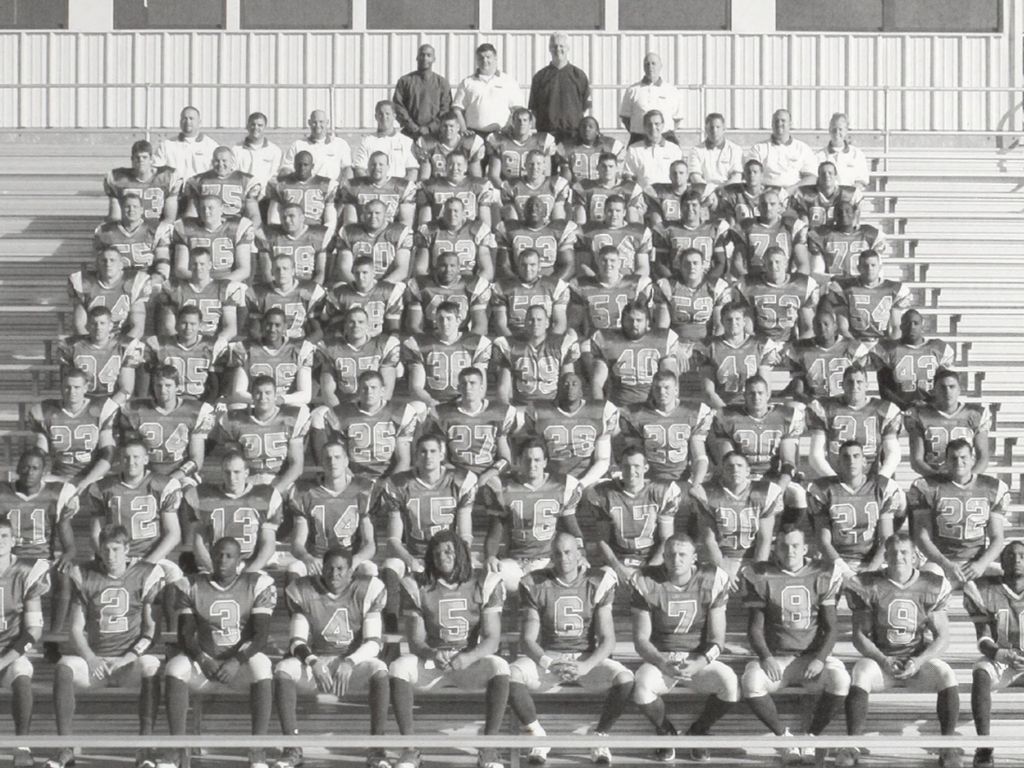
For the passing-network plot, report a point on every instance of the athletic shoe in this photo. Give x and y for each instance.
(410, 759)
(291, 757)
(537, 755)
(488, 758)
(23, 758)
(983, 758)
(64, 759)
(807, 755)
(788, 755)
(600, 754)
(846, 757)
(950, 758)
(377, 758)
(699, 755)
(666, 754)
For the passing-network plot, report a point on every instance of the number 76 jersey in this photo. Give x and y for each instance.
(222, 612)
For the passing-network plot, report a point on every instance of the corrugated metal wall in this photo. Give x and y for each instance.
(761, 64)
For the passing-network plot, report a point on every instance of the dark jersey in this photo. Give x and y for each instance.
(102, 363)
(937, 428)
(821, 368)
(959, 512)
(592, 195)
(334, 517)
(679, 614)
(72, 437)
(222, 612)
(465, 242)
(535, 369)
(472, 191)
(471, 438)
(442, 361)
(136, 246)
(381, 246)
(337, 624)
(913, 366)
(314, 194)
(347, 361)
(735, 363)
(120, 296)
(632, 363)
(381, 302)
(988, 600)
(163, 184)
(393, 191)
(851, 514)
(25, 579)
(166, 434)
(758, 438)
(193, 363)
(735, 517)
(218, 513)
(139, 508)
(791, 602)
(516, 297)
(603, 304)
(113, 606)
(665, 435)
(234, 190)
(571, 436)
(631, 241)
(282, 364)
(776, 306)
(692, 309)
(264, 443)
(303, 246)
(302, 302)
(868, 308)
(220, 241)
(634, 517)
(547, 239)
(530, 513)
(210, 299)
(453, 613)
(869, 424)
(35, 518)
(369, 437)
(426, 508)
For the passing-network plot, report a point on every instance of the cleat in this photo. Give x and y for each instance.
(23, 758)
(950, 758)
(666, 754)
(291, 757)
(983, 758)
(699, 755)
(377, 758)
(846, 757)
(410, 759)
(600, 755)
(64, 759)
(788, 755)
(538, 756)
(488, 758)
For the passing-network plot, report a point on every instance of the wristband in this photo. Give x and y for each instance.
(499, 465)
(141, 645)
(21, 645)
(545, 662)
(787, 469)
(311, 660)
(712, 653)
(188, 468)
(1003, 656)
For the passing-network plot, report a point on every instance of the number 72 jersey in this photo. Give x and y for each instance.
(222, 612)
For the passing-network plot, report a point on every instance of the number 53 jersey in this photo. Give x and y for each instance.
(899, 612)
(113, 606)
(222, 611)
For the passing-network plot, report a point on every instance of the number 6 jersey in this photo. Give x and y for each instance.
(567, 608)
(222, 611)
(113, 605)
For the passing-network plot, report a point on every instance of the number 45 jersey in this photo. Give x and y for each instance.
(336, 624)
(899, 612)
(222, 612)
(790, 601)
(113, 605)
(452, 613)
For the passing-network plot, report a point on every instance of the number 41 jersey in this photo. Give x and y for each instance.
(452, 613)
(113, 605)
(222, 612)
(337, 624)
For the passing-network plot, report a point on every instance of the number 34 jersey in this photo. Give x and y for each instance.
(223, 611)
(899, 612)
(790, 601)
(113, 605)
(335, 623)
(452, 613)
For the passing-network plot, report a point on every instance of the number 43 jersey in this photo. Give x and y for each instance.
(899, 612)
(790, 601)
(452, 613)
(222, 611)
(335, 623)
(113, 606)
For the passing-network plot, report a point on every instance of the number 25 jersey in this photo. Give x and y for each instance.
(899, 612)
(222, 612)
(452, 613)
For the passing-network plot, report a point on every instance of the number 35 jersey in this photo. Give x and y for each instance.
(113, 606)
(335, 624)
(899, 612)
(452, 613)
(567, 608)
(679, 613)
(222, 612)
(790, 601)
(959, 513)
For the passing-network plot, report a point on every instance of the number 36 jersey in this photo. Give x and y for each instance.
(567, 608)
(335, 624)
(222, 612)
(790, 601)
(899, 612)
(452, 613)
(679, 613)
(113, 606)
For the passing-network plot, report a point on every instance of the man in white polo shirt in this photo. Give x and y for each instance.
(332, 156)
(486, 98)
(258, 156)
(850, 163)
(651, 92)
(190, 152)
(649, 161)
(716, 160)
(787, 162)
(390, 140)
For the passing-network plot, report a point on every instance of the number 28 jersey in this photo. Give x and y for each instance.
(900, 612)
(567, 608)
(679, 613)
(452, 613)
(790, 601)
(336, 624)
(113, 606)
(222, 612)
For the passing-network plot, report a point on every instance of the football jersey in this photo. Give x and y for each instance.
(113, 605)
(516, 297)
(776, 306)
(384, 301)
(393, 191)
(466, 241)
(547, 239)
(738, 203)
(900, 612)
(426, 508)
(210, 299)
(136, 246)
(264, 443)
(817, 208)
(663, 198)
(193, 363)
(959, 512)
(72, 437)
(346, 361)
(453, 613)
(467, 293)
(472, 438)
(868, 307)
(442, 361)
(791, 601)
(314, 194)
(753, 238)
(938, 428)
(735, 517)
(634, 516)
(821, 368)
(303, 247)
(164, 184)
(632, 363)
(474, 193)
(382, 246)
(234, 189)
(218, 513)
(282, 364)
(35, 518)
(913, 366)
(222, 612)
(530, 513)
(535, 369)
(433, 151)
(841, 250)
(869, 424)
(337, 624)
(735, 363)
(512, 153)
(592, 195)
(571, 436)
(369, 438)
(549, 191)
(692, 309)
(138, 508)
(220, 241)
(852, 514)
(630, 240)
(671, 239)
(88, 290)
(334, 517)
(166, 434)
(758, 438)
(991, 601)
(665, 435)
(678, 613)
(24, 580)
(583, 159)
(299, 304)
(567, 608)
(101, 363)
(603, 303)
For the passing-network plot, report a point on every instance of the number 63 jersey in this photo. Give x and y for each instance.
(452, 613)
(222, 611)
(113, 605)
(899, 612)
(335, 624)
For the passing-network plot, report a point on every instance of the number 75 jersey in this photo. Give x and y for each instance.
(222, 612)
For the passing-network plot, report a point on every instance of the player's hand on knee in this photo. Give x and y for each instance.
(692, 667)
(65, 562)
(772, 668)
(209, 667)
(814, 668)
(97, 667)
(567, 671)
(443, 659)
(342, 677)
(734, 582)
(458, 661)
(972, 571)
(322, 677)
(313, 566)
(226, 672)
(493, 564)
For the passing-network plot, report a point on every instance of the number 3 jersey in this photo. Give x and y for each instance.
(735, 516)
(139, 508)
(959, 512)
(218, 513)
(222, 612)
(331, 623)
(426, 508)
(991, 601)
(899, 612)
(452, 613)
(679, 613)
(567, 608)
(35, 518)
(113, 605)
(23, 580)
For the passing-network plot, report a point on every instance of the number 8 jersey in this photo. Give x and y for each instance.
(222, 611)
(900, 612)
(113, 605)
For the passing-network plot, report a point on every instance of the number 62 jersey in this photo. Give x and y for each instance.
(899, 612)
(222, 612)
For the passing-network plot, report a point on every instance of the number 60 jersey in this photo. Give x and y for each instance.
(899, 612)
(222, 612)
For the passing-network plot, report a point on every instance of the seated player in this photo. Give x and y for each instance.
(907, 366)
(228, 240)
(553, 191)
(525, 512)
(854, 512)
(433, 360)
(223, 628)
(816, 364)
(634, 515)
(346, 355)
(782, 304)
(375, 431)
(425, 293)
(301, 186)
(741, 200)
(597, 300)
(529, 366)
(834, 248)
(334, 647)
(389, 245)
(109, 361)
(632, 241)
(576, 432)
(752, 237)
(872, 422)
(664, 199)
(39, 512)
(678, 617)
(959, 516)
(931, 426)
(590, 194)
(792, 629)
(381, 300)
(195, 358)
(622, 362)
(23, 584)
(472, 241)
(288, 361)
(735, 516)
(112, 630)
(305, 243)
(157, 186)
(689, 231)
(734, 357)
(567, 636)
(217, 299)
(512, 296)
(995, 605)
(453, 625)
(300, 300)
(433, 151)
(124, 292)
(552, 241)
(868, 307)
(507, 149)
(271, 437)
(136, 239)
(580, 157)
(396, 192)
(690, 302)
(671, 432)
(239, 191)
(476, 193)
(247, 513)
(815, 204)
(901, 628)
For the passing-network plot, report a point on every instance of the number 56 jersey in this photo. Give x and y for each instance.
(222, 612)
(452, 613)
(899, 612)
(113, 605)
(336, 624)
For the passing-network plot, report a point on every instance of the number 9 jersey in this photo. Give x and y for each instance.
(899, 612)
(452, 613)
(113, 605)
(222, 612)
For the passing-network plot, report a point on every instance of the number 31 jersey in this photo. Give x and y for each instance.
(452, 613)
(790, 601)
(899, 612)
(679, 613)
(113, 606)
(222, 612)
(336, 624)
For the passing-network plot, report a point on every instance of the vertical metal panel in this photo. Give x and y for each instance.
(516, 55)
(124, 107)
(748, 104)
(63, 66)
(800, 58)
(918, 65)
(35, 68)
(175, 56)
(459, 59)
(945, 72)
(348, 59)
(290, 68)
(862, 107)
(94, 105)
(205, 68)
(10, 47)
(688, 71)
(604, 59)
(718, 70)
(831, 59)
(233, 103)
(376, 73)
(260, 62)
(889, 72)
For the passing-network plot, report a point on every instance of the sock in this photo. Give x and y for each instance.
(149, 703)
(379, 689)
(21, 708)
(947, 705)
(655, 712)
(177, 706)
(981, 702)
(64, 699)
(262, 702)
(496, 701)
(714, 709)
(286, 696)
(401, 703)
(522, 703)
(856, 711)
(764, 708)
(614, 705)
(825, 709)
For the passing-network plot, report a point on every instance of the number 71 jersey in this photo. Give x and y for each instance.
(223, 612)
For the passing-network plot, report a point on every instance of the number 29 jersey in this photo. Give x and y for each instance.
(222, 612)
(679, 613)
(113, 606)
(567, 608)
(336, 624)
(899, 612)
(790, 601)
(452, 613)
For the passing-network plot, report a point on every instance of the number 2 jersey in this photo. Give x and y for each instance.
(336, 624)
(791, 601)
(679, 613)
(567, 608)
(959, 512)
(452, 613)
(900, 612)
(36, 517)
(114, 605)
(222, 612)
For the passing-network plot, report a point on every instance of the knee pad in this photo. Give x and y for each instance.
(521, 671)
(367, 568)
(495, 666)
(795, 496)
(728, 684)
(260, 668)
(376, 667)
(865, 673)
(296, 569)
(20, 667)
(180, 668)
(396, 566)
(406, 668)
(290, 668)
(754, 682)
(943, 673)
(623, 677)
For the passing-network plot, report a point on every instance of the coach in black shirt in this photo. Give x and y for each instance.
(559, 93)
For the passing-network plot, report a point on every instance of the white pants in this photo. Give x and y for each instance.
(715, 679)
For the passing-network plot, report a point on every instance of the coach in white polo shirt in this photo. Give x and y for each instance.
(787, 162)
(390, 140)
(652, 92)
(190, 152)
(716, 160)
(256, 154)
(649, 161)
(851, 164)
(332, 156)
(486, 98)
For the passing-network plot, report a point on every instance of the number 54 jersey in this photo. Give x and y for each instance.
(336, 624)
(223, 611)
(899, 612)
(452, 613)
(113, 605)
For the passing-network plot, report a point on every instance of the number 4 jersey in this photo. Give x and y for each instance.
(113, 605)
(335, 624)
(223, 611)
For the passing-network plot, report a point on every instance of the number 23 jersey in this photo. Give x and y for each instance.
(452, 613)
(899, 612)
(222, 612)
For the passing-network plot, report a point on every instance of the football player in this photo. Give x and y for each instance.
(38, 512)
(346, 355)
(239, 192)
(835, 247)
(741, 200)
(690, 302)
(109, 361)
(590, 194)
(907, 366)
(664, 200)
(782, 304)
(552, 241)
(581, 158)
(815, 203)
(157, 186)
(816, 364)
(396, 192)
(596, 301)
(229, 242)
(471, 240)
(301, 187)
(753, 236)
(289, 362)
(196, 359)
(135, 238)
(433, 151)
(476, 193)
(512, 296)
(673, 238)
(389, 245)
(868, 307)
(380, 299)
(507, 150)
(305, 243)
(433, 360)
(217, 299)
(529, 367)
(124, 292)
(931, 426)
(631, 241)
(300, 300)
(734, 357)
(553, 192)
(446, 282)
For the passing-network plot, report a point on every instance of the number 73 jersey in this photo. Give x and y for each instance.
(222, 612)
(959, 513)
(113, 606)
(790, 601)
(899, 612)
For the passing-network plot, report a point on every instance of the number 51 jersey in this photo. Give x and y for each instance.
(222, 612)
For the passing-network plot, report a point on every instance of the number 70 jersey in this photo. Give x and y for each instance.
(222, 612)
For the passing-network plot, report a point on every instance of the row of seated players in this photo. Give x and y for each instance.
(451, 611)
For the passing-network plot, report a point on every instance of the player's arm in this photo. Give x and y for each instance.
(395, 547)
(504, 388)
(400, 269)
(494, 539)
(416, 634)
(499, 321)
(994, 533)
(302, 388)
(820, 520)
(981, 450)
(79, 317)
(917, 453)
(600, 462)
(698, 459)
(763, 539)
(604, 626)
(200, 549)
(598, 378)
(711, 548)
(643, 645)
(328, 386)
(890, 454)
(293, 465)
(816, 458)
(924, 536)
(759, 643)
(101, 461)
(938, 621)
(66, 537)
(828, 633)
(888, 389)
(147, 631)
(341, 267)
(488, 641)
(529, 634)
(418, 385)
(885, 529)
(565, 266)
(80, 641)
(170, 533)
(29, 634)
(266, 544)
(464, 520)
(711, 396)
(300, 535)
